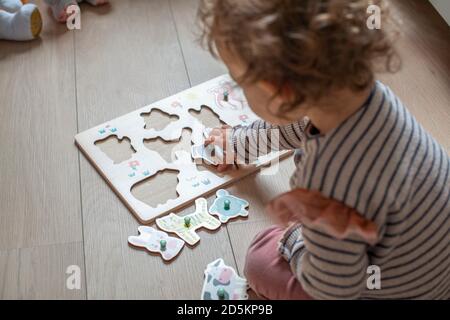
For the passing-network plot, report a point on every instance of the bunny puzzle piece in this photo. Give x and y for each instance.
(157, 241)
(223, 283)
(227, 206)
(186, 226)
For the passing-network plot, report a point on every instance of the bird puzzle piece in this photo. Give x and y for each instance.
(222, 283)
(227, 206)
(157, 241)
(186, 226)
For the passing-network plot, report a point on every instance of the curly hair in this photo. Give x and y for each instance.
(311, 46)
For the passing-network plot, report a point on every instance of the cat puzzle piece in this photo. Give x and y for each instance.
(227, 206)
(157, 241)
(186, 226)
(223, 283)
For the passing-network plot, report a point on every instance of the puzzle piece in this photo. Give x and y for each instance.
(227, 206)
(186, 226)
(157, 241)
(212, 154)
(223, 283)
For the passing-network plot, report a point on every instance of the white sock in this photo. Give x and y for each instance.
(25, 24)
(10, 5)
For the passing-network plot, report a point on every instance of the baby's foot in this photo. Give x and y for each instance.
(97, 2)
(25, 24)
(59, 8)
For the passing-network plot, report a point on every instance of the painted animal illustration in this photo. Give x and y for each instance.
(186, 226)
(227, 96)
(223, 283)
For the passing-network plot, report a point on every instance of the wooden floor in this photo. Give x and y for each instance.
(56, 211)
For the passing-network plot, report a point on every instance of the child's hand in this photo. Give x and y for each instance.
(221, 138)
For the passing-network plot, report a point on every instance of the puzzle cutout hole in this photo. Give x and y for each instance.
(207, 117)
(157, 189)
(157, 119)
(167, 149)
(117, 150)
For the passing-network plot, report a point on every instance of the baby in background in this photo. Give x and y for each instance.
(371, 186)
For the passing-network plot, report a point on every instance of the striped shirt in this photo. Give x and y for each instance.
(383, 164)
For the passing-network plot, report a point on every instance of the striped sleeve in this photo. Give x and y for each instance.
(261, 138)
(330, 268)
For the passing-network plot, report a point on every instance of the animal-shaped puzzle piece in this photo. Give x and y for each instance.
(186, 226)
(212, 154)
(222, 283)
(157, 241)
(227, 206)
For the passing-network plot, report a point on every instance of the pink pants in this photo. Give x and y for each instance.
(267, 272)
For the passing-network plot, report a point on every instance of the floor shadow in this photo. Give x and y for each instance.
(8, 48)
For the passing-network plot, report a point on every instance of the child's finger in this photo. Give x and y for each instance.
(220, 142)
(209, 140)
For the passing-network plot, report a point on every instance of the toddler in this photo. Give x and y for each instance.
(370, 193)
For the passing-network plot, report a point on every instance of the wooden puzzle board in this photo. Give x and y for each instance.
(146, 163)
